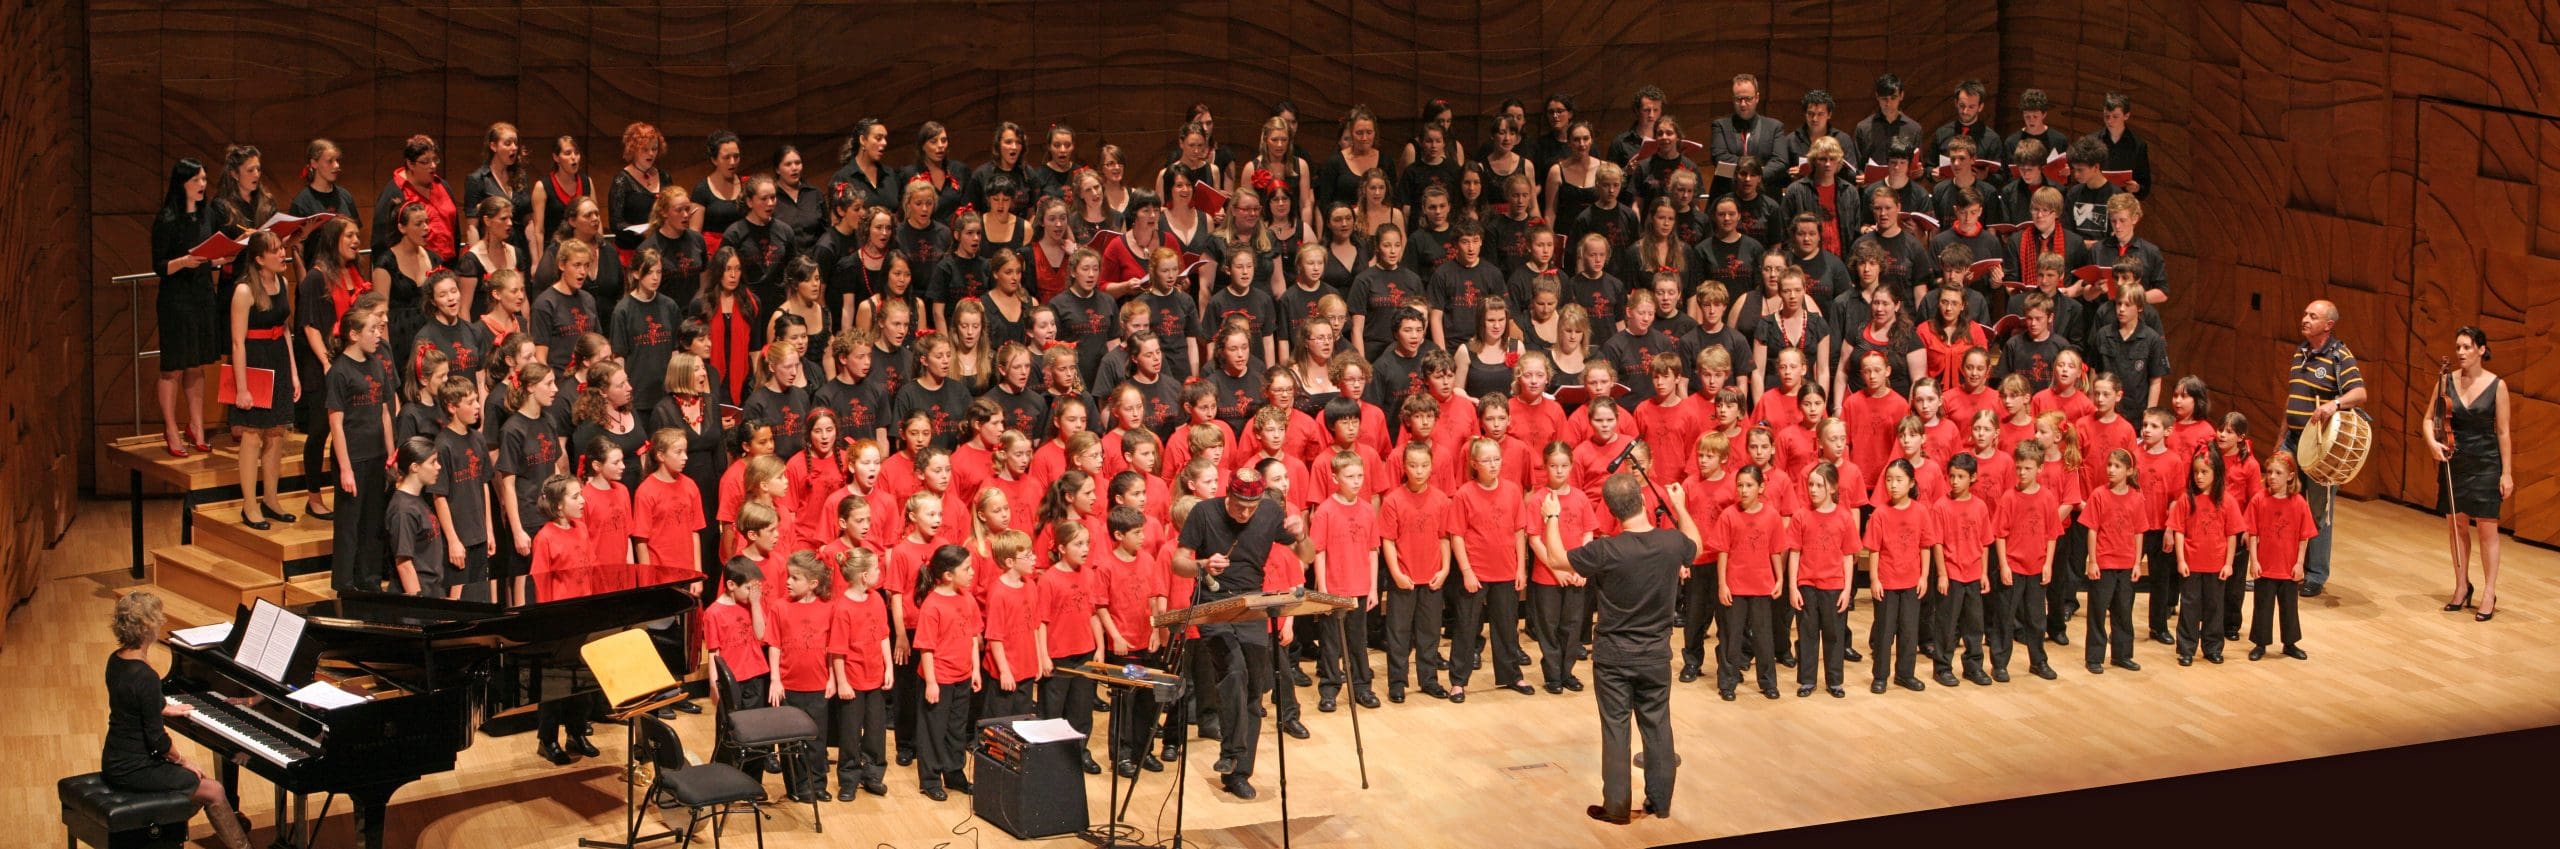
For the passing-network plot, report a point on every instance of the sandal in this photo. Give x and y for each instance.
(2463, 603)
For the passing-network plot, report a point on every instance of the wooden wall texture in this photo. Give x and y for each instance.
(44, 260)
(2401, 159)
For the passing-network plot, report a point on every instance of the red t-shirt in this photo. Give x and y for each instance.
(1751, 542)
(1448, 465)
(1067, 602)
(1574, 520)
(1415, 522)
(1304, 438)
(2163, 478)
(729, 633)
(1177, 450)
(898, 478)
(670, 520)
(608, 523)
(1795, 451)
(1373, 471)
(1345, 535)
(899, 573)
(1777, 409)
(1961, 404)
(1012, 626)
(1536, 424)
(1489, 526)
(2074, 407)
(1822, 540)
(2115, 522)
(2241, 478)
(1944, 438)
(2185, 436)
(815, 478)
(2205, 527)
(1964, 537)
(2278, 528)
(971, 466)
(1591, 462)
(859, 628)
(888, 518)
(1928, 483)
(1779, 490)
(556, 548)
(2012, 433)
(1871, 420)
(1672, 431)
(1578, 425)
(733, 492)
(949, 628)
(1048, 461)
(1898, 536)
(799, 629)
(1853, 487)
(2063, 483)
(1129, 584)
(2028, 523)
(1708, 498)
(1994, 477)
(2097, 440)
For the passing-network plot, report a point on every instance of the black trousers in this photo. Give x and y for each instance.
(2110, 617)
(2029, 604)
(994, 700)
(906, 706)
(1782, 624)
(1747, 639)
(2235, 589)
(1895, 640)
(1700, 610)
(860, 736)
(2161, 582)
(2274, 595)
(1495, 608)
(1413, 634)
(1068, 697)
(2068, 581)
(359, 553)
(1960, 621)
(1239, 656)
(808, 772)
(2200, 614)
(474, 579)
(1343, 654)
(1822, 633)
(2000, 616)
(1134, 718)
(1641, 690)
(313, 420)
(1555, 613)
(944, 751)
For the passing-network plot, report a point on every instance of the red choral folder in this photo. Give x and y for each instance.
(2120, 178)
(1582, 394)
(1653, 147)
(1982, 268)
(1982, 168)
(2009, 325)
(1919, 224)
(1102, 240)
(1873, 172)
(262, 388)
(1207, 199)
(2056, 169)
(2005, 229)
(219, 247)
(284, 226)
(2098, 274)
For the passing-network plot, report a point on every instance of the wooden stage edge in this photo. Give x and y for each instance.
(2387, 669)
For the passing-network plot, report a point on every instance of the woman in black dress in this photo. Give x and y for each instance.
(2477, 470)
(554, 194)
(189, 339)
(863, 169)
(137, 756)
(400, 270)
(796, 202)
(260, 308)
(321, 191)
(934, 167)
(504, 177)
(721, 198)
(636, 186)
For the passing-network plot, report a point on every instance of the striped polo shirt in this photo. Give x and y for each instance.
(2319, 375)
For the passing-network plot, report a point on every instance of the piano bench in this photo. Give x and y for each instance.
(107, 818)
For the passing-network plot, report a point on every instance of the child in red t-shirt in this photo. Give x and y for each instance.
(1344, 528)
(731, 634)
(1133, 593)
(2203, 526)
(1901, 535)
(1964, 541)
(1519, 459)
(904, 566)
(668, 508)
(1069, 600)
(2116, 518)
(1709, 492)
(1929, 479)
(858, 655)
(974, 462)
(1821, 547)
(560, 545)
(950, 633)
(2025, 533)
(2280, 531)
(2246, 482)
(1673, 417)
(1413, 533)
(1750, 540)
(766, 485)
(2161, 469)
(1995, 475)
(1342, 420)
(816, 473)
(2018, 414)
(1556, 597)
(608, 523)
(1017, 639)
(797, 628)
(1797, 446)
(1491, 548)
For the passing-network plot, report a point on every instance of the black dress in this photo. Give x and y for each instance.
(190, 336)
(2475, 452)
(274, 354)
(136, 755)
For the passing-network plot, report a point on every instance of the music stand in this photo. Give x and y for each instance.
(1269, 608)
(1122, 683)
(627, 667)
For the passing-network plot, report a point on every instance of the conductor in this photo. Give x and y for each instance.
(1635, 579)
(1225, 549)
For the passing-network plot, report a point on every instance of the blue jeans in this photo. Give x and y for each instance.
(2323, 501)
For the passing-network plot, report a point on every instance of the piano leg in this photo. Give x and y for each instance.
(370, 804)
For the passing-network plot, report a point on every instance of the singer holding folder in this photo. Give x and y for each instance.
(1238, 540)
(260, 306)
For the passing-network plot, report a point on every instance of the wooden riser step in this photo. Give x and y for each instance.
(183, 612)
(218, 528)
(308, 589)
(213, 580)
(201, 471)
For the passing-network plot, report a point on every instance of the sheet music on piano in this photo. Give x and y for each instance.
(267, 646)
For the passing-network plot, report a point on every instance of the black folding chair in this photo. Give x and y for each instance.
(721, 788)
(784, 734)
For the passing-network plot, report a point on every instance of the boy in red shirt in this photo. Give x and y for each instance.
(1342, 419)
(730, 634)
(2116, 518)
(1017, 654)
(1519, 458)
(1421, 419)
(2280, 529)
(2162, 473)
(1873, 412)
(1457, 413)
(1601, 380)
(1490, 551)
(1673, 416)
(859, 655)
(1750, 538)
(1708, 493)
(1556, 598)
(797, 627)
(1964, 538)
(1133, 592)
(1344, 531)
(1821, 545)
(1413, 533)
(2026, 530)
(1535, 418)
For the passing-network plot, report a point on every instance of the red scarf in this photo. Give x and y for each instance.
(343, 297)
(441, 213)
(2031, 247)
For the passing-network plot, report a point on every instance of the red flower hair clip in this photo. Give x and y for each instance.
(1266, 183)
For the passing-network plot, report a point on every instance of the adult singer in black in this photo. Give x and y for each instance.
(1635, 582)
(1237, 540)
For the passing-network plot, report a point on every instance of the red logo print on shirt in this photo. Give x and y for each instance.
(653, 335)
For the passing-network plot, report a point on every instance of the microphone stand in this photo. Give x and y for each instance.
(1661, 503)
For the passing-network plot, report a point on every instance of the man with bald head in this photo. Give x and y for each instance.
(2324, 383)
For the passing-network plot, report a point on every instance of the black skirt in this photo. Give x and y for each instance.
(190, 334)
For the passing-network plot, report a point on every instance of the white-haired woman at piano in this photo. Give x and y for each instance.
(137, 755)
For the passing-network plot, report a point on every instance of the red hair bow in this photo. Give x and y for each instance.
(1266, 183)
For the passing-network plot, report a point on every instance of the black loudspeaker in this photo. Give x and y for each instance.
(1030, 791)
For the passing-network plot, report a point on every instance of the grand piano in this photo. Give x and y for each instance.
(429, 672)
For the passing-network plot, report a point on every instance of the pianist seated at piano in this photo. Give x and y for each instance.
(138, 756)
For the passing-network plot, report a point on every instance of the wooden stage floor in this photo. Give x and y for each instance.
(2387, 668)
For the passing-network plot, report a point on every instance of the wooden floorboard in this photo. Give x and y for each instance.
(2387, 668)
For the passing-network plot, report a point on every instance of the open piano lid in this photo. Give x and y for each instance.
(571, 600)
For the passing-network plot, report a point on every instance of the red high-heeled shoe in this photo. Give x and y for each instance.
(177, 449)
(201, 444)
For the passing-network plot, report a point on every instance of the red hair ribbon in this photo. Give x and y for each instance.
(964, 209)
(306, 172)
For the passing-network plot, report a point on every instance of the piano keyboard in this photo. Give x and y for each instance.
(277, 745)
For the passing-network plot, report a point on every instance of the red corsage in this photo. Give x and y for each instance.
(1511, 360)
(1266, 183)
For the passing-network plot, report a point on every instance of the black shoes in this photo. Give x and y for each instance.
(845, 793)
(1238, 785)
(1573, 684)
(957, 782)
(1555, 689)
(936, 794)
(1299, 677)
(2312, 590)
(1838, 693)
(1325, 705)
(551, 752)
(1435, 691)
(582, 746)
(1946, 679)
(1225, 764)
(2163, 638)
(2000, 675)
(1150, 763)
(1125, 769)
(687, 706)
(1522, 688)
(1851, 655)
(2186, 660)
(2213, 657)
(1366, 699)
(1877, 688)
(1688, 674)
(1173, 751)
(1395, 694)
(2257, 653)
(1294, 729)
(875, 787)
(906, 758)
(2042, 671)
(1804, 691)
(1725, 692)
(1457, 697)
(1978, 679)
(1087, 762)
(2060, 639)
(1912, 684)
(1602, 814)
(2097, 669)
(254, 524)
(1769, 692)
(2296, 653)
(2128, 665)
